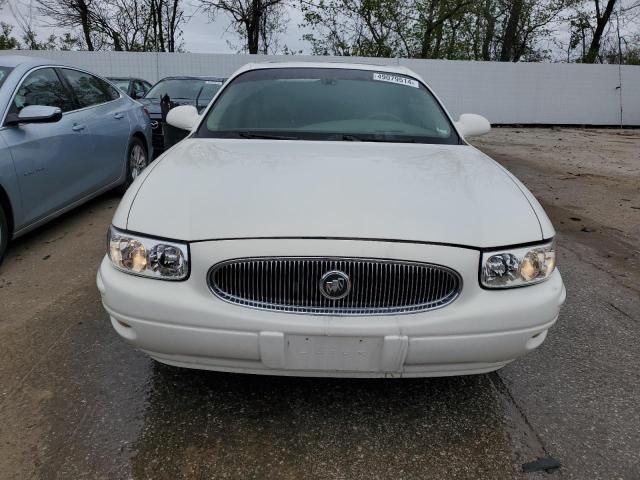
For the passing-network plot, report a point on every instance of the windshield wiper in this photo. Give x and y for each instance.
(374, 138)
(346, 138)
(266, 136)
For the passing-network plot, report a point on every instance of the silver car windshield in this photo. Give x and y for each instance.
(121, 84)
(189, 89)
(328, 104)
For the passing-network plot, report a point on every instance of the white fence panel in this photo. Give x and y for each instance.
(527, 93)
(508, 93)
(631, 95)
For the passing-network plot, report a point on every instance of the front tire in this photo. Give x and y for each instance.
(4, 233)
(137, 161)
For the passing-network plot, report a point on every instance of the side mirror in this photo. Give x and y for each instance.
(472, 125)
(185, 117)
(36, 114)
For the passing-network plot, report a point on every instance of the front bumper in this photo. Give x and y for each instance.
(184, 324)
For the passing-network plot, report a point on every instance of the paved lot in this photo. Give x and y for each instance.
(76, 402)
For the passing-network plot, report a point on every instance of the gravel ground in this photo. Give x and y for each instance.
(588, 182)
(77, 402)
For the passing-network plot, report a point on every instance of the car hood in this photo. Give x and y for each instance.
(227, 188)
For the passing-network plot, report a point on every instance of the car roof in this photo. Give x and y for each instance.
(343, 65)
(15, 60)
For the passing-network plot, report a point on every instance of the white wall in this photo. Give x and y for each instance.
(526, 93)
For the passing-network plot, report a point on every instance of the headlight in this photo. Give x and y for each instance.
(148, 257)
(518, 267)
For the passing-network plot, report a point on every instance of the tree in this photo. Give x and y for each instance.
(31, 41)
(438, 23)
(71, 14)
(594, 39)
(602, 19)
(7, 41)
(373, 28)
(251, 19)
(121, 25)
(68, 42)
(506, 30)
(511, 32)
(274, 24)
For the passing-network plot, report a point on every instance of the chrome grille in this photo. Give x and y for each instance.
(292, 284)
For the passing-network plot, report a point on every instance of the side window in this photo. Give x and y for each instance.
(147, 87)
(89, 90)
(114, 91)
(138, 89)
(42, 87)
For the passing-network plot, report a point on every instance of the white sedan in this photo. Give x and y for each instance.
(330, 220)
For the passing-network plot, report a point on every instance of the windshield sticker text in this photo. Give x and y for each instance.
(387, 77)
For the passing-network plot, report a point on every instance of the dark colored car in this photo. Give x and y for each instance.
(134, 87)
(171, 92)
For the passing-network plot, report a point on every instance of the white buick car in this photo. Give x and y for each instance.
(330, 220)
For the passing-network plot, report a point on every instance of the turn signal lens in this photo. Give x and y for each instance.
(518, 267)
(147, 256)
(531, 265)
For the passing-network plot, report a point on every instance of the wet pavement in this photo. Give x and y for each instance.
(77, 402)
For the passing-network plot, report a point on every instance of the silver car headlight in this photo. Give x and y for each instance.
(148, 257)
(517, 267)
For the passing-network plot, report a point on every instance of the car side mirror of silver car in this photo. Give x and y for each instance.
(472, 125)
(184, 117)
(35, 114)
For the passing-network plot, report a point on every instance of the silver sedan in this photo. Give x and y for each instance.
(66, 135)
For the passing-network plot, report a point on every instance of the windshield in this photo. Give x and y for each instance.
(328, 104)
(122, 84)
(189, 89)
(4, 73)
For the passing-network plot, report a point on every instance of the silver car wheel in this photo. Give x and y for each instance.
(137, 161)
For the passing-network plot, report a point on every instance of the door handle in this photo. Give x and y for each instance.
(78, 128)
(118, 115)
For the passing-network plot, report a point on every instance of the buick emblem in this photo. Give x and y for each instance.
(335, 285)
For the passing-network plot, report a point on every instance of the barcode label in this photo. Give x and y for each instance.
(388, 77)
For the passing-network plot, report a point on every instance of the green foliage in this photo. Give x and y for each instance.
(31, 41)
(68, 42)
(7, 41)
(506, 30)
(372, 28)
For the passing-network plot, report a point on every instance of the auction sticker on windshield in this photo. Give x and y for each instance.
(386, 77)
